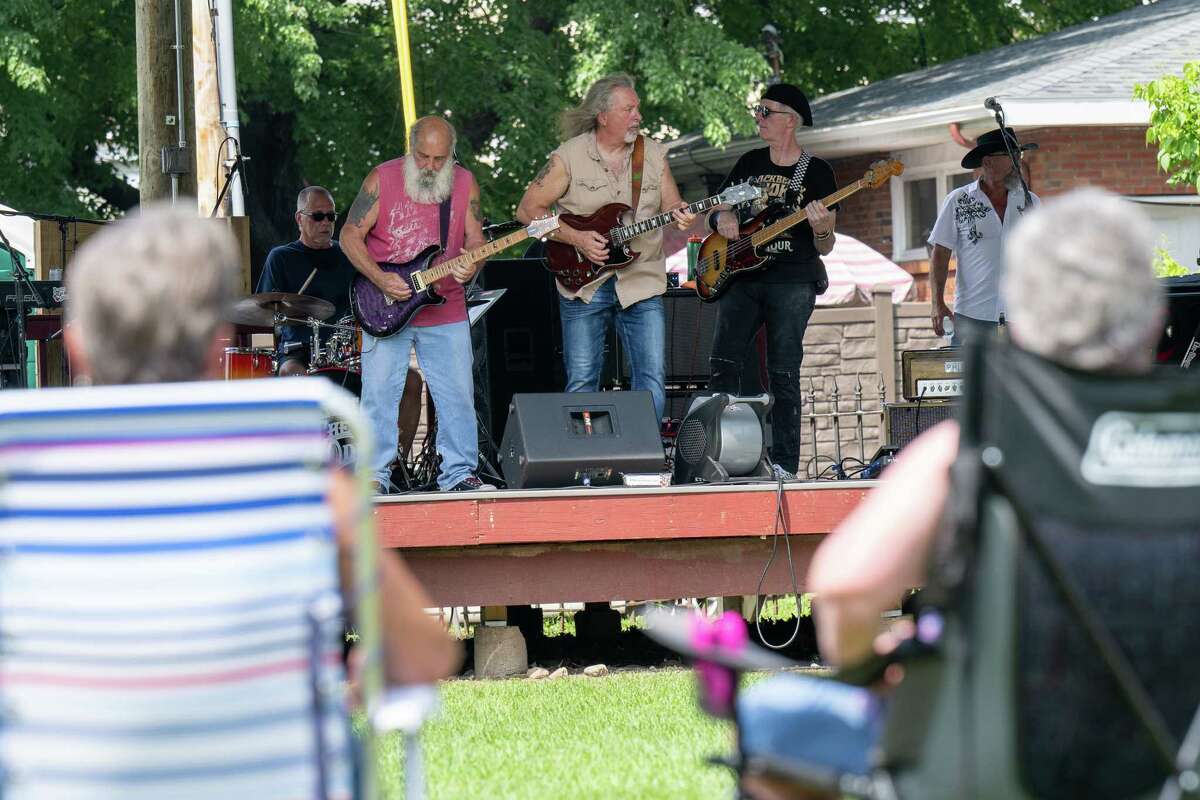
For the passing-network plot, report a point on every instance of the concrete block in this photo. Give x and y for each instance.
(500, 652)
(820, 359)
(858, 348)
(818, 334)
(859, 330)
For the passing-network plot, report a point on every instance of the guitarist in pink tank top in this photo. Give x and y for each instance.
(397, 216)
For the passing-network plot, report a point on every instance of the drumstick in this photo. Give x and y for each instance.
(307, 281)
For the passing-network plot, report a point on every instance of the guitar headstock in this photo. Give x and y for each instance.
(542, 227)
(879, 172)
(742, 193)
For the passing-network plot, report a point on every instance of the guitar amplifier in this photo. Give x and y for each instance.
(903, 422)
(932, 374)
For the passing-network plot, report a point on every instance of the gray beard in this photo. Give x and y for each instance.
(427, 185)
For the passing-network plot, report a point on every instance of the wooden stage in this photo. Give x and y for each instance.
(601, 544)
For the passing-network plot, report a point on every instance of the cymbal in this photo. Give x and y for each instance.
(261, 308)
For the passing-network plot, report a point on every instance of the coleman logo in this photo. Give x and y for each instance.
(1128, 449)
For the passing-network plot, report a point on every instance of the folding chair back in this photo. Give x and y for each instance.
(1068, 659)
(169, 596)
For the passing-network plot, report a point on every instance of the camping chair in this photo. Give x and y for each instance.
(170, 613)
(1058, 638)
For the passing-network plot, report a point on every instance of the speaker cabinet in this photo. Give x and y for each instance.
(904, 422)
(521, 338)
(579, 438)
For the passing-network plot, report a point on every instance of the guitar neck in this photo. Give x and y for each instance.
(439, 271)
(778, 227)
(628, 232)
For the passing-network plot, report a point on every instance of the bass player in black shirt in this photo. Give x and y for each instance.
(781, 293)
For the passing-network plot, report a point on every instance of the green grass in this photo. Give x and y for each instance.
(775, 609)
(628, 735)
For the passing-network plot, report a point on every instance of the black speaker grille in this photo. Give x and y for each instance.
(692, 441)
(907, 421)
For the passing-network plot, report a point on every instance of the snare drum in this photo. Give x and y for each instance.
(248, 362)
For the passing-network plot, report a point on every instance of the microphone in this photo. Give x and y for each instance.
(992, 104)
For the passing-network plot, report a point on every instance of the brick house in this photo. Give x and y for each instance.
(1071, 92)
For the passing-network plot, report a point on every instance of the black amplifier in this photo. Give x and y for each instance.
(903, 422)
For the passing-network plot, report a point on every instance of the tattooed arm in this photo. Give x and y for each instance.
(359, 221)
(550, 184)
(474, 235)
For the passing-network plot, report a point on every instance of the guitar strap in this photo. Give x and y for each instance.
(444, 220)
(635, 170)
(796, 184)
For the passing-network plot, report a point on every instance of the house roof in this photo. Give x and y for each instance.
(1082, 75)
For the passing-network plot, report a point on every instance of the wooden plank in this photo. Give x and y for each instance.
(600, 515)
(48, 243)
(607, 571)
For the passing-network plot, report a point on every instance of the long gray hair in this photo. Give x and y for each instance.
(582, 118)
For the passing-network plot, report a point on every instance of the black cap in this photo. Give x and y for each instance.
(793, 98)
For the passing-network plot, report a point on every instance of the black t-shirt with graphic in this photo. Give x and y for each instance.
(288, 267)
(794, 257)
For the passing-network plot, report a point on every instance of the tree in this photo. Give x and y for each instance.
(1175, 123)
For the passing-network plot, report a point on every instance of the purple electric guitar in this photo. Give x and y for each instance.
(382, 316)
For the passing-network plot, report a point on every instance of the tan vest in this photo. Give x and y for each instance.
(590, 185)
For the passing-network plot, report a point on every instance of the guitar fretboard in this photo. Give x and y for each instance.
(427, 277)
(620, 235)
(764, 235)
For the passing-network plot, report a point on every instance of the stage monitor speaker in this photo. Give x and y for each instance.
(721, 438)
(903, 422)
(579, 438)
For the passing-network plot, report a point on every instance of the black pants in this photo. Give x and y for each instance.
(785, 308)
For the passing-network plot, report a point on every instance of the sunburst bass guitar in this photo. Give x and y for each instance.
(720, 260)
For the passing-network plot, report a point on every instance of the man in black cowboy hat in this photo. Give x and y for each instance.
(974, 222)
(781, 294)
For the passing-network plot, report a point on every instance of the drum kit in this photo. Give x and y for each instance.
(338, 358)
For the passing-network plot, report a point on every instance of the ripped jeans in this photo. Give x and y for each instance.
(785, 309)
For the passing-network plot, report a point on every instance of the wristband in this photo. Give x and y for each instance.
(822, 236)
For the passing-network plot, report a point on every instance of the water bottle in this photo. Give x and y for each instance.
(693, 253)
(948, 326)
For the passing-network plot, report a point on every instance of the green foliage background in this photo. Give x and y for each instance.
(319, 93)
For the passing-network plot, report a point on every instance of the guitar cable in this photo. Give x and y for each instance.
(758, 601)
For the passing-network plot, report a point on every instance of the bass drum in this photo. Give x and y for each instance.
(341, 447)
(408, 415)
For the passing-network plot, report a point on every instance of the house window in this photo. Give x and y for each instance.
(916, 200)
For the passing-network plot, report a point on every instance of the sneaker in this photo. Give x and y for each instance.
(471, 484)
(378, 487)
(782, 474)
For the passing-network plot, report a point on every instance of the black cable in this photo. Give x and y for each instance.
(758, 603)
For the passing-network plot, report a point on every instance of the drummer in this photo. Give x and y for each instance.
(312, 265)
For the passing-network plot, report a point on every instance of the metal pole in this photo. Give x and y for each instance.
(227, 91)
(180, 121)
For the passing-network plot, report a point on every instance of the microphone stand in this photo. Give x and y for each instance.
(233, 166)
(1014, 152)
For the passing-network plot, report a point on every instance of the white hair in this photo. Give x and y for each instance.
(1080, 286)
(149, 294)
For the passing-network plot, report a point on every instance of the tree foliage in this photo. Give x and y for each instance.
(320, 100)
(1175, 123)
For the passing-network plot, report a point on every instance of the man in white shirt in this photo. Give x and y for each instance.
(974, 222)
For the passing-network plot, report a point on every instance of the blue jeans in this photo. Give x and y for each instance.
(968, 327)
(643, 331)
(444, 353)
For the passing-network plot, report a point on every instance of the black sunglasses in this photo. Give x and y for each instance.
(765, 113)
(321, 216)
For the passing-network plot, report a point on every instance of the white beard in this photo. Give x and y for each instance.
(427, 185)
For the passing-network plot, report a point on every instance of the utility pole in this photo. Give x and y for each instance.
(166, 104)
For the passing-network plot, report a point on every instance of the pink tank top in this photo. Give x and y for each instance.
(405, 227)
